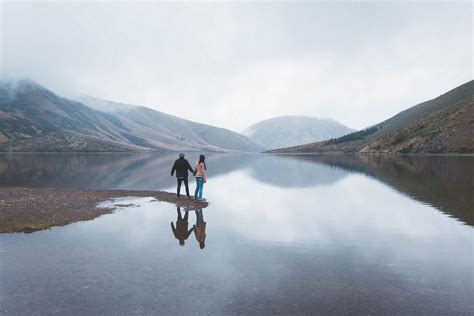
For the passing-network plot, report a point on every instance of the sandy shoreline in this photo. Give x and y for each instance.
(31, 209)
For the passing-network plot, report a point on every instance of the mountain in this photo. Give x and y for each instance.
(441, 125)
(32, 118)
(286, 131)
(162, 130)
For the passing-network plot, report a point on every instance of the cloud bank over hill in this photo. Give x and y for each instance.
(232, 65)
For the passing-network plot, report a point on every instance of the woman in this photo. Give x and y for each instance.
(200, 229)
(200, 173)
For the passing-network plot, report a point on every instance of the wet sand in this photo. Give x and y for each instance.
(31, 209)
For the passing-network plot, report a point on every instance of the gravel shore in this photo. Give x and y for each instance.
(31, 209)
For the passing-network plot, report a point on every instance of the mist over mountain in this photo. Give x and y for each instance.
(442, 125)
(286, 131)
(32, 118)
(104, 105)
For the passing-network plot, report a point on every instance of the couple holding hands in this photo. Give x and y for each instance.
(181, 167)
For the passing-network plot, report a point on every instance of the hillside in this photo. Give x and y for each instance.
(32, 118)
(161, 130)
(441, 125)
(285, 131)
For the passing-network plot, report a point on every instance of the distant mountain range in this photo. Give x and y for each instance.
(34, 119)
(286, 131)
(441, 125)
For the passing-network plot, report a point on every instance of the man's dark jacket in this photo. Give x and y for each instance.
(181, 166)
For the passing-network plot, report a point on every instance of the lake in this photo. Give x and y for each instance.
(284, 235)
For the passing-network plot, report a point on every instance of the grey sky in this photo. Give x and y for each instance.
(233, 64)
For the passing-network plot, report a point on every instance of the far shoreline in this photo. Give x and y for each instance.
(381, 154)
(375, 154)
(120, 152)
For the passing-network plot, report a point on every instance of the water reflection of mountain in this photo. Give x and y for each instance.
(113, 171)
(446, 183)
(285, 171)
(151, 171)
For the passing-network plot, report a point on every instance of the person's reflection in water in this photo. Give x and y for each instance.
(181, 230)
(200, 228)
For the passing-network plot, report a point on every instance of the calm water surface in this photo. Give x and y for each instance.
(284, 234)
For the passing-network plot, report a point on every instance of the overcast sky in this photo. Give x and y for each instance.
(233, 64)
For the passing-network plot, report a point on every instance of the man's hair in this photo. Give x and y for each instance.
(181, 155)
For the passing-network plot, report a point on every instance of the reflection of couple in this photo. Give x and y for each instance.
(181, 231)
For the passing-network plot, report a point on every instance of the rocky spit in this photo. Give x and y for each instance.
(32, 209)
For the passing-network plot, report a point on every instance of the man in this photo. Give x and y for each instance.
(181, 166)
(181, 231)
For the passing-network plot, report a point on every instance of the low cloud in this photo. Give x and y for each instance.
(231, 65)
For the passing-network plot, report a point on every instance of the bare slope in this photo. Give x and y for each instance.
(32, 118)
(441, 125)
(161, 130)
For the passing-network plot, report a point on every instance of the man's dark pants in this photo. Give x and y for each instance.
(185, 180)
